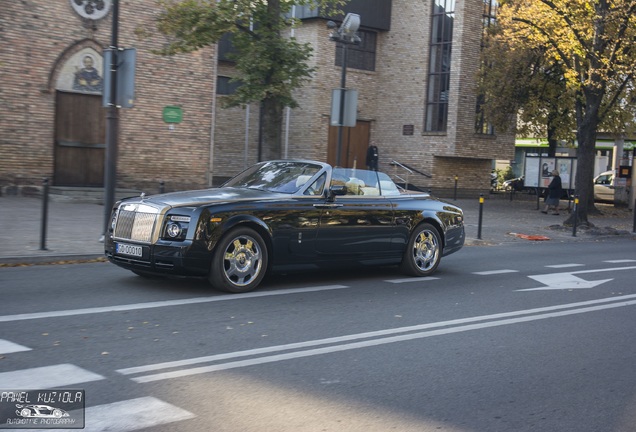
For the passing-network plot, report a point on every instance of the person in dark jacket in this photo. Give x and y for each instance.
(555, 190)
(372, 158)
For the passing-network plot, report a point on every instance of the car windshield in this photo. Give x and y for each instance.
(279, 176)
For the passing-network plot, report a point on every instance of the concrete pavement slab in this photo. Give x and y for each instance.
(74, 229)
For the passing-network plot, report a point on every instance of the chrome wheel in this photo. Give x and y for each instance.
(423, 252)
(240, 261)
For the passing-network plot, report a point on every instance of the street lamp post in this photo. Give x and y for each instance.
(346, 35)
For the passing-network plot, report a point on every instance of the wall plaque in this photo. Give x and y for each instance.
(408, 129)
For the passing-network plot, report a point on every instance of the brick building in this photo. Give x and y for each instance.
(53, 123)
(414, 72)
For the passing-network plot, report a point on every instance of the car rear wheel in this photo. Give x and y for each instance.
(239, 262)
(423, 252)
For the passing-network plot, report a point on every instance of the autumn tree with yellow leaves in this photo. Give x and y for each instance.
(591, 43)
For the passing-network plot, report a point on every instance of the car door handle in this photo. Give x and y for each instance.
(327, 205)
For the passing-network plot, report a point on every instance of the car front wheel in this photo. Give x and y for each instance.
(423, 252)
(239, 262)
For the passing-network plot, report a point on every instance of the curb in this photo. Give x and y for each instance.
(52, 259)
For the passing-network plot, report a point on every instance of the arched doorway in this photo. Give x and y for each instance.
(80, 123)
(79, 140)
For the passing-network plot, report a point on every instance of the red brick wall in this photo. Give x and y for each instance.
(38, 37)
(211, 141)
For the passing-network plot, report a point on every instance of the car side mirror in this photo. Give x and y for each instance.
(336, 190)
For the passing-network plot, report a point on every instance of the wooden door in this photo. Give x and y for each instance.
(80, 140)
(355, 141)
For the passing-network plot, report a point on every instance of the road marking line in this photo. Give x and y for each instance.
(603, 270)
(564, 265)
(133, 414)
(366, 335)
(492, 272)
(61, 375)
(370, 343)
(568, 280)
(158, 304)
(561, 281)
(620, 261)
(7, 347)
(413, 279)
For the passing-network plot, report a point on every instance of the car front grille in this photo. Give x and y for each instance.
(136, 222)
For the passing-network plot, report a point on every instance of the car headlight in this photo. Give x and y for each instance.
(173, 230)
(176, 227)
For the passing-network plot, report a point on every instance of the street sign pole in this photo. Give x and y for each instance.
(343, 92)
(112, 126)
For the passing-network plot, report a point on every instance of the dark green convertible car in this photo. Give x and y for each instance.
(283, 215)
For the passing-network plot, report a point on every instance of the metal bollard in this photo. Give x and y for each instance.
(481, 215)
(455, 193)
(162, 187)
(576, 214)
(45, 212)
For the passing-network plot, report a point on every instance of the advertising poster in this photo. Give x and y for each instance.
(531, 175)
(538, 170)
(564, 166)
(547, 166)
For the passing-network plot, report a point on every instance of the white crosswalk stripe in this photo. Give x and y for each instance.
(129, 415)
(133, 414)
(7, 347)
(46, 377)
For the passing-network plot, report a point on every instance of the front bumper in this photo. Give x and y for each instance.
(455, 239)
(164, 257)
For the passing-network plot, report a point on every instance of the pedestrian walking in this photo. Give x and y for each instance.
(555, 190)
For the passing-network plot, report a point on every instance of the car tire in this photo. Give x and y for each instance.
(423, 252)
(239, 262)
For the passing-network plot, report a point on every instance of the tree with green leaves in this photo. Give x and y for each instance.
(592, 44)
(270, 65)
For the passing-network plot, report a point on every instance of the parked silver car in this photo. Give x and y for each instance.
(603, 187)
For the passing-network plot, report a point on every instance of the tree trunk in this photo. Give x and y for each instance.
(587, 125)
(271, 109)
(552, 141)
(271, 123)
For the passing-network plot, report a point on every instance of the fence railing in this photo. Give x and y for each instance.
(406, 173)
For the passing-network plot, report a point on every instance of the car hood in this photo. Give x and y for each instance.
(209, 196)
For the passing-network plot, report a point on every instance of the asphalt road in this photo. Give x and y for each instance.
(519, 337)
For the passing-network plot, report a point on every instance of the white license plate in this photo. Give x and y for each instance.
(128, 249)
